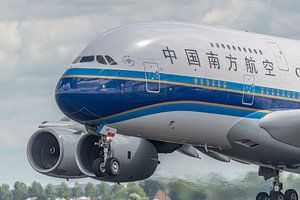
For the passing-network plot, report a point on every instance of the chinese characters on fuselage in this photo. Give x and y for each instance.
(192, 57)
(250, 64)
(170, 54)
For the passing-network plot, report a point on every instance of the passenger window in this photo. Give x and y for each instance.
(110, 60)
(87, 59)
(100, 59)
(76, 60)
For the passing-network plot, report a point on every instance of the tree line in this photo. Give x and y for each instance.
(211, 187)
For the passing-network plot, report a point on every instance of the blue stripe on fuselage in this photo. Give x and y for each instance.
(180, 79)
(115, 95)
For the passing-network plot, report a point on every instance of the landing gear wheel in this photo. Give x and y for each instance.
(262, 196)
(276, 196)
(290, 195)
(112, 166)
(98, 168)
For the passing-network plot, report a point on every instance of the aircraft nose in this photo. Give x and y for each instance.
(75, 99)
(86, 99)
(67, 96)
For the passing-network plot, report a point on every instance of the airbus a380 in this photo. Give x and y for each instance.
(149, 88)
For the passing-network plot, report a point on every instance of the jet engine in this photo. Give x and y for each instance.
(51, 151)
(136, 158)
(65, 150)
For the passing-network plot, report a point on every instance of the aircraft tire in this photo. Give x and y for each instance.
(276, 196)
(262, 196)
(112, 166)
(96, 167)
(290, 195)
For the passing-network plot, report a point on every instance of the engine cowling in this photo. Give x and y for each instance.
(138, 157)
(51, 151)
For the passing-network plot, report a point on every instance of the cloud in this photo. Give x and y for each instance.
(10, 43)
(6, 138)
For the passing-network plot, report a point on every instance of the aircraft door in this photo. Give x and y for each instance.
(152, 76)
(249, 89)
(279, 56)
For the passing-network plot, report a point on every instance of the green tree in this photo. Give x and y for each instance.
(180, 190)
(50, 192)
(134, 188)
(151, 187)
(37, 191)
(292, 181)
(91, 191)
(64, 191)
(105, 191)
(252, 184)
(5, 193)
(252, 178)
(119, 192)
(20, 191)
(134, 196)
(77, 190)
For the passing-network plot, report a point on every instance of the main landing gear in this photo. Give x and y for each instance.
(105, 164)
(277, 186)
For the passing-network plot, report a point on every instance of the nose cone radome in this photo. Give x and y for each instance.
(87, 99)
(69, 99)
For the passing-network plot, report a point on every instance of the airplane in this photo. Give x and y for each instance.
(148, 88)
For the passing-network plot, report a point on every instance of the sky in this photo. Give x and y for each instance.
(39, 39)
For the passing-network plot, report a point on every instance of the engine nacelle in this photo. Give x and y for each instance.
(138, 157)
(51, 151)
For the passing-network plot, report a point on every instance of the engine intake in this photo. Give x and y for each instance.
(51, 151)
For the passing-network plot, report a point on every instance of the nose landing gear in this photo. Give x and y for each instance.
(277, 186)
(105, 164)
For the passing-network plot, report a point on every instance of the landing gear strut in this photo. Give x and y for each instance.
(105, 164)
(276, 188)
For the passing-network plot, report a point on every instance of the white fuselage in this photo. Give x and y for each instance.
(181, 83)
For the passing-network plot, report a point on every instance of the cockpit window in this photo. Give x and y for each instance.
(87, 59)
(100, 59)
(110, 60)
(76, 60)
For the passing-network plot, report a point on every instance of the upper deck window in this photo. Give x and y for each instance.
(110, 60)
(100, 59)
(87, 59)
